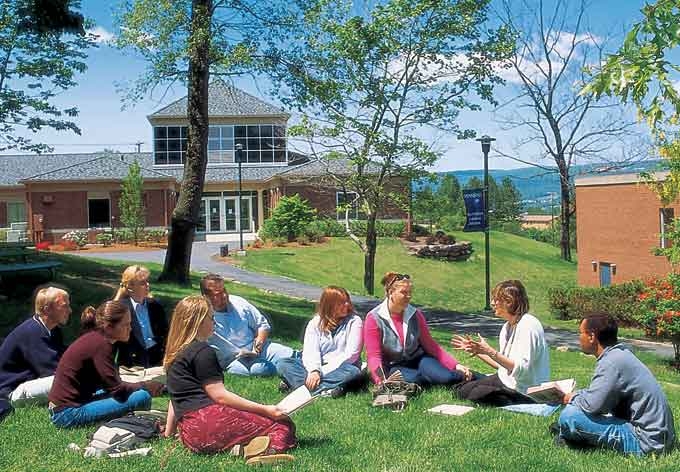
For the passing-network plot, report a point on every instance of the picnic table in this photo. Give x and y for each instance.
(17, 257)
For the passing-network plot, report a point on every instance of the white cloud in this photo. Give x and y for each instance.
(102, 36)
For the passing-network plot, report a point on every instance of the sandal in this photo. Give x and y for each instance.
(269, 459)
(257, 446)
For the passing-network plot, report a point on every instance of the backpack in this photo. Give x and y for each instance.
(143, 427)
(394, 394)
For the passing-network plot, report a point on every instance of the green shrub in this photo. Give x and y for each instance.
(123, 235)
(384, 229)
(3, 235)
(660, 310)
(303, 240)
(104, 238)
(314, 233)
(620, 301)
(155, 235)
(289, 219)
(279, 242)
(454, 222)
(327, 227)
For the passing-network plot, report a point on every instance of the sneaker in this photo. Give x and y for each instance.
(284, 387)
(270, 459)
(554, 429)
(336, 392)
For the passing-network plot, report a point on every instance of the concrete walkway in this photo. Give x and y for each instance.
(203, 260)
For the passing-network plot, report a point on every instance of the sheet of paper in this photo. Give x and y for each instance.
(453, 410)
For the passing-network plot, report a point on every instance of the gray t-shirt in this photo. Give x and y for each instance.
(624, 387)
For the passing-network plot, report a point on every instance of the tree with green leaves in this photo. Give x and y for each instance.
(187, 41)
(508, 205)
(43, 49)
(367, 77)
(131, 202)
(427, 207)
(450, 194)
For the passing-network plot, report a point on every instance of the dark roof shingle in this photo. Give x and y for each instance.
(224, 100)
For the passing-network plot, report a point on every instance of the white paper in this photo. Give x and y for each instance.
(295, 400)
(453, 410)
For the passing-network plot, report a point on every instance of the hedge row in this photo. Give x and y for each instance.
(620, 301)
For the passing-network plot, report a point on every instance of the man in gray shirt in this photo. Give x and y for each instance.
(624, 407)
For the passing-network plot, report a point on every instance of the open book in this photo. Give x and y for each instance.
(140, 374)
(454, 410)
(551, 392)
(297, 399)
(245, 354)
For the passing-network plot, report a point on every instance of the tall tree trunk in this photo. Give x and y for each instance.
(186, 212)
(369, 255)
(565, 220)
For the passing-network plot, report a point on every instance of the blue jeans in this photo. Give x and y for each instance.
(427, 371)
(581, 428)
(293, 372)
(263, 365)
(100, 410)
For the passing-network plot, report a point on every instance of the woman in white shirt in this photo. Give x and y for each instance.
(332, 347)
(521, 361)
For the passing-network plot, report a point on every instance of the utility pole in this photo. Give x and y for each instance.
(139, 146)
(486, 147)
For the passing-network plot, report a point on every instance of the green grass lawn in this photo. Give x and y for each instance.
(335, 435)
(457, 286)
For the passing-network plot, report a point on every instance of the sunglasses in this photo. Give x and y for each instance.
(399, 277)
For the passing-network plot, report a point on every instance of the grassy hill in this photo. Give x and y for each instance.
(455, 286)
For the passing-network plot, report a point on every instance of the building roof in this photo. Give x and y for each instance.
(616, 179)
(315, 167)
(105, 166)
(224, 100)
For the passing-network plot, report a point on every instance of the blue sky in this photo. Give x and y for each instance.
(104, 124)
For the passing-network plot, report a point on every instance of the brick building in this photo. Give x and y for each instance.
(620, 222)
(61, 192)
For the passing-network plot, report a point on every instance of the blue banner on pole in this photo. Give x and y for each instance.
(474, 207)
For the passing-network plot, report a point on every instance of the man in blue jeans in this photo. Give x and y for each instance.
(624, 407)
(241, 333)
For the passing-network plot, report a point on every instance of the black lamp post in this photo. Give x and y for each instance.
(486, 147)
(239, 160)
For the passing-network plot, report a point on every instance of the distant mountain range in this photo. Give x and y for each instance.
(535, 184)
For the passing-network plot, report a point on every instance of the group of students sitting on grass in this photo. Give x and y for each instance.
(623, 409)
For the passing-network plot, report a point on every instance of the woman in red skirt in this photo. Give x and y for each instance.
(209, 417)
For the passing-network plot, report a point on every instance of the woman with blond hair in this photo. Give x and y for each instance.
(397, 339)
(332, 347)
(209, 417)
(522, 359)
(149, 324)
(87, 368)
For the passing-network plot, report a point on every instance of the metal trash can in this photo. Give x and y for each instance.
(224, 250)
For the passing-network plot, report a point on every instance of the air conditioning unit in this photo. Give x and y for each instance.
(47, 199)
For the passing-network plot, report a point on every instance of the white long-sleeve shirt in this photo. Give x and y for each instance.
(527, 348)
(325, 352)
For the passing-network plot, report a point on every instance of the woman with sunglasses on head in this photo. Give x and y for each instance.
(146, 346)
(210, 418)
(523, 358)
(397, 339)
(332, 347)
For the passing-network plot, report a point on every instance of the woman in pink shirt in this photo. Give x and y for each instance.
(397, 338)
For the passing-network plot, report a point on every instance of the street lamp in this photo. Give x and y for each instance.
(552, 217)
(486, 147)
(239, 160)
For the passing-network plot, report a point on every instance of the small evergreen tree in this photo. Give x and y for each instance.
(130, 203)
(290, 218)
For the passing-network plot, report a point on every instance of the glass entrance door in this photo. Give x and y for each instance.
(214, 215)
(230, 214)
(246, 213)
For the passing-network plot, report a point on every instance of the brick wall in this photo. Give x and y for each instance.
(323, 198)
(66, 210)
(155, 207)
(618, 224)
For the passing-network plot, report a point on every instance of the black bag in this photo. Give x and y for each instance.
(490, 391)
(5, 408)
(143, 427)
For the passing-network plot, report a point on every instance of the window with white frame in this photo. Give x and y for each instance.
(347, 201)
(261, 143)
(16, 212)
(666, 217)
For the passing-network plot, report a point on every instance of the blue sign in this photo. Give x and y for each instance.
(474, 207)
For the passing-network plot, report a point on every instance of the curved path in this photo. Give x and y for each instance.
(203, 260)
